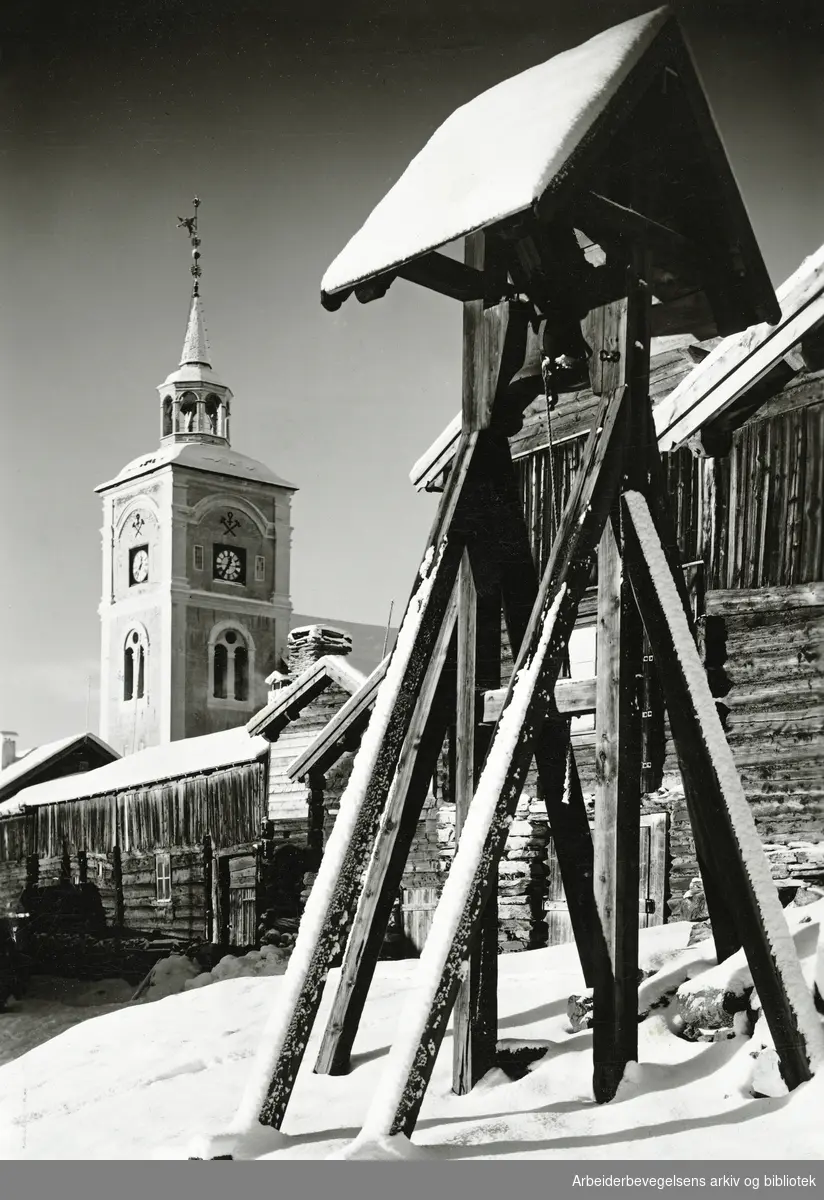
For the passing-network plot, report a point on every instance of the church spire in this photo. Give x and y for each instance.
(194, 401)
(195, 343)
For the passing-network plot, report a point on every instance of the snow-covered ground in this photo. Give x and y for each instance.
(143, 1081)
(53, 1005)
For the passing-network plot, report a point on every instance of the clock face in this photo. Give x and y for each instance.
(228, 565)
(140, 566)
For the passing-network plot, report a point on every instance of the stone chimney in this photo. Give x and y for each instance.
(311, 642)
(9, 752)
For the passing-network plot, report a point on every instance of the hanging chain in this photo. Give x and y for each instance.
(551, 402)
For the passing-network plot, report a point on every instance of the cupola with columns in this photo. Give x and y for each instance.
(194, 401)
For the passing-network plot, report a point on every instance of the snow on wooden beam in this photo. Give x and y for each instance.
(734, 844)
(740, 361)
(573, 697)
(398, 825)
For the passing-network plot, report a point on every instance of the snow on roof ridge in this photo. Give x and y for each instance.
(37, 756)
(740, 360)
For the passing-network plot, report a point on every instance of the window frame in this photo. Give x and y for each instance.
(163, 877)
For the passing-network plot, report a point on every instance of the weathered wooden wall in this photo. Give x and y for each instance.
(229, 805)
(754, 518)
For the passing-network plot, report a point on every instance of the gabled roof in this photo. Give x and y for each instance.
(190, 756)
(739, 362)
(289, 702)
(18, 775)
(351, 718)
(536, 144)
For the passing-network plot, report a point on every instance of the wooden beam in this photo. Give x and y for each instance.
(602, 217)
(494, 342)
(573, 697)
(617, 821)
(446, 275)
(735, 845)
(398, 826)
(473, 873)
(475, 1017)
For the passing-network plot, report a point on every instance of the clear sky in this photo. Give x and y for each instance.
(290, 122)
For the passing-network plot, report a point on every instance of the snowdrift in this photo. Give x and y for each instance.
(143, 1081)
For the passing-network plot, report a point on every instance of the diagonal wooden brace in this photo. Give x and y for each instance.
(725, 814)
(474, 870)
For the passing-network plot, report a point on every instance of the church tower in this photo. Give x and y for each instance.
(195, 608)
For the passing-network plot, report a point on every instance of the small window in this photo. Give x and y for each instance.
(221, 664)
(260, 568)
(163, 876)
(134, 666)
(582, 651)
(198, 558)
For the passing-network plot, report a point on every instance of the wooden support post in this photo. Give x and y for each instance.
(117, 879)
(554, 758)
(622, 354)
(475, 1019)
(617, 821)
(208, 865)
(399, 822)
(726, 817)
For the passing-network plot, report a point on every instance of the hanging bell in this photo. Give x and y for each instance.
(564, 346)
(527, 382)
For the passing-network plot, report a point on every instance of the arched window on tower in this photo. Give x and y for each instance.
(188, 413)
(212, 408)
(135, 654)
(231, 655)
(167, 416)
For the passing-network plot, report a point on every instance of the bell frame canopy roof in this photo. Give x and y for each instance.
(529, 144)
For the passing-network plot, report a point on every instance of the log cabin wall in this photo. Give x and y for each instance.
(169, 818)
(754, 518)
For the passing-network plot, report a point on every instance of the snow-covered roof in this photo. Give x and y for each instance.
(200, 456)
(738, 362)
(496, 155)
(288, 701)
(325, 748)
(40, 756)
(190, 756)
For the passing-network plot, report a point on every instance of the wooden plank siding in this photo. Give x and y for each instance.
(229, 805)
(755, 520)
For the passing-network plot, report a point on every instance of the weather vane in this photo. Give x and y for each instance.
(190, 225)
